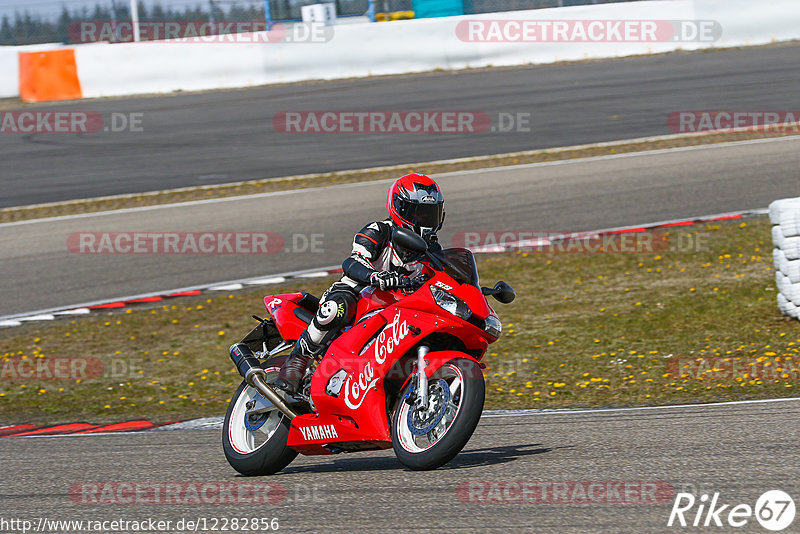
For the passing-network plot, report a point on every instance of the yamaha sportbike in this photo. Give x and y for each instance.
(406, 373)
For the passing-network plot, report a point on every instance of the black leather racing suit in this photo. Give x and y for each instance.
(372, 252)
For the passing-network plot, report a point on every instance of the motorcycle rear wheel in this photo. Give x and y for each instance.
(261, 449)
(427, 439)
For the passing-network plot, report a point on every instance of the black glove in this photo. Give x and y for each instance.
(386, 280)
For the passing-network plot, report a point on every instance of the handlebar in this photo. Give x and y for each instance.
(414, 282)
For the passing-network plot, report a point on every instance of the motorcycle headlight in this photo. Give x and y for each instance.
(493, 326)
(451, 303)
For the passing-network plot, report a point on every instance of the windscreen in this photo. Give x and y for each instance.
(460, 265)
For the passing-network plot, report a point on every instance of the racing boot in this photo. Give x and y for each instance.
(296, 364)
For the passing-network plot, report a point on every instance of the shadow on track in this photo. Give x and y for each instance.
(468, 459)
(495, 455)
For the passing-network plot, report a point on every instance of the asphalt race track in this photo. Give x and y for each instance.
(227, 136)
(738, 450)
(41, 273)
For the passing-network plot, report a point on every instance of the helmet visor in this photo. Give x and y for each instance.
(422, 215)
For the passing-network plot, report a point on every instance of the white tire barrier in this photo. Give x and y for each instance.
(788, 222)
(793, 271)
(781, 211)
(786, 288)
(791, 248)
(787, 307)
(780, 261)
(785, 218)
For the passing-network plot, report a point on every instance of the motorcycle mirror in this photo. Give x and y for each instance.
(406, 239)
(503, 292)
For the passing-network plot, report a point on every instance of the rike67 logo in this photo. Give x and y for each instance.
(774, 510)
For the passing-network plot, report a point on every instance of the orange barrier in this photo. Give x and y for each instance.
(49, 75)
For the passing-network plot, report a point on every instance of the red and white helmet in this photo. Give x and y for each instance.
(416, 202)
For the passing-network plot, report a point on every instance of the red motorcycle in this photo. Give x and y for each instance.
(406, 374)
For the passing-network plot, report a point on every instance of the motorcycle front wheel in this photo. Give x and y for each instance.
(428, 438)
(255, 444)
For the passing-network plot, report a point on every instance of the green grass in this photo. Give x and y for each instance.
(586, 330)
(600, 329)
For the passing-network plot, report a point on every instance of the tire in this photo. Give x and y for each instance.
(784, 210)
(780, 261)
(462, 412)
(243, 448)
(786, 306)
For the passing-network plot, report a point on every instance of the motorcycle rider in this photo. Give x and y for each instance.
(415, 202)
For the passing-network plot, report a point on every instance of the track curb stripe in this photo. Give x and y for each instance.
(236, 285)
(514, 246)
(15, 429)
(215, 423)
(127, 426)
(128, 302)
(69, 428)
(28, 430)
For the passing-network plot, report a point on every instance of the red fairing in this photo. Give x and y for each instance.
(373, 299)
(281, 309)
(372, 359)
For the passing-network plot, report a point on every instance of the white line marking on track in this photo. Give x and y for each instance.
(568, 411)
(192, 203)
(641, 153)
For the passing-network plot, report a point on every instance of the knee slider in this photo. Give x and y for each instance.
(337, 311)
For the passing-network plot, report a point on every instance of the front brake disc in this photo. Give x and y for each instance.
(421, 422)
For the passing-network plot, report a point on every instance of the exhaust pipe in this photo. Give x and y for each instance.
(248, 366)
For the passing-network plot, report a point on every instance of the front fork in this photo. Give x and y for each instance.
(421, 401)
